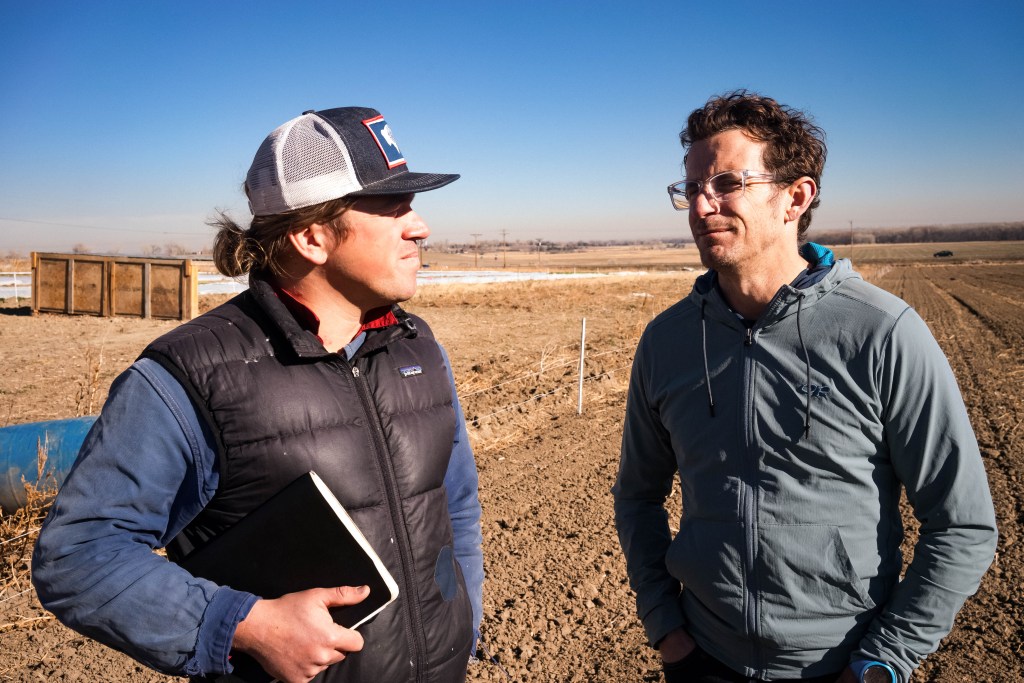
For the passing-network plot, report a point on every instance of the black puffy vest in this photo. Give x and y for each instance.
(378, 430)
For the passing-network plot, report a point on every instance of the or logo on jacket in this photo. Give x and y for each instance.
(816, 391)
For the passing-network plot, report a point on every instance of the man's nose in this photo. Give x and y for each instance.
(703, 205)
(415, 227)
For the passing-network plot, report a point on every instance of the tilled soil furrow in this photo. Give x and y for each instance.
(556, 604)
(987, 628)
(555, 576)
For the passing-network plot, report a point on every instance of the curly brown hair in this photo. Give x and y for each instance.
(795, 146)
(262, 247)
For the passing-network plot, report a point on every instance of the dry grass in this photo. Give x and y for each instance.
(659, 257)
(514, 348)
(923, 252)
(88, 386)
(15, 264)
(18, 531)
(654, 257)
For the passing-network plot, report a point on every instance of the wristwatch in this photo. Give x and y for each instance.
(877, 672)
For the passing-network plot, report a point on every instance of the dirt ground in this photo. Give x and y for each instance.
(557, 606)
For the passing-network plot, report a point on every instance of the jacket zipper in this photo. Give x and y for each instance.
(749, 506)
(380, 450)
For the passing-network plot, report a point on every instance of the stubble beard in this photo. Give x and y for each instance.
(713, 255)
(400, 290)
(718, 258)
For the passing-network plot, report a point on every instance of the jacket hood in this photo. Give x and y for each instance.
(706, 295)
(823, 275)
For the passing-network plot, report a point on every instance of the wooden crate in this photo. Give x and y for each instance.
(91, 284)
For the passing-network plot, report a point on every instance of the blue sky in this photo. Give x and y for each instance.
(126, 124)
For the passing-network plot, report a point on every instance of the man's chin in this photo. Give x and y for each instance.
(716, 258)
(403, 293)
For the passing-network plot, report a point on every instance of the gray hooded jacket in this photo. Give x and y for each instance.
(792, 440)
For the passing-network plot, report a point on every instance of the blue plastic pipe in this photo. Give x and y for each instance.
(19, 453)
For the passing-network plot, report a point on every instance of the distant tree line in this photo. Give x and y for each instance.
(971, 232)
(168, 249)
(968, 232)
(548, 246)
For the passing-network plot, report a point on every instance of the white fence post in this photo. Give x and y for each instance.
(583, 345)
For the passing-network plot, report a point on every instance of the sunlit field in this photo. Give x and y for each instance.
(657, 257)
(557, 606)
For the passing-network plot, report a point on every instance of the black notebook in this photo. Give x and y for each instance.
(300, 538)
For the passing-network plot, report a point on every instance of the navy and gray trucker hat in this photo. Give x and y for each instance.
(330, 154)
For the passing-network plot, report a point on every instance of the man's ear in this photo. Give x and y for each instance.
(801, 193)
(313, 243)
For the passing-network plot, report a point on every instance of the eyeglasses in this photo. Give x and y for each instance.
(720, 188)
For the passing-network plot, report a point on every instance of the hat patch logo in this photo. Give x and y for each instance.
(385, 139)
(410, 370)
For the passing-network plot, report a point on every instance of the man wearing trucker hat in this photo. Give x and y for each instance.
(314, 367)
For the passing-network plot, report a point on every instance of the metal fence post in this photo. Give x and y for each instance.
(583, 345)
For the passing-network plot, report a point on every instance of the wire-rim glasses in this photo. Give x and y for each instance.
(719, 188)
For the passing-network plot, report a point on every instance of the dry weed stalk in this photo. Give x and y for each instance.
(10, 413)
(18, 531)
(89, 385)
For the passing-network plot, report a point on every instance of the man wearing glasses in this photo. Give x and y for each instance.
(795, 401)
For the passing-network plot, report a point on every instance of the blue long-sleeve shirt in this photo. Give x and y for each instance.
(146, 469)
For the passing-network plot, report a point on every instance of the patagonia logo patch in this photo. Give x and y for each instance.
(385, 139)
(814, 390)
(410, 371)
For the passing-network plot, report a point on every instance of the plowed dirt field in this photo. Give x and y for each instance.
(557, 606)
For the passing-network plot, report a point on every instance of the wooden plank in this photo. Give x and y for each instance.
(146, 280)
(35, 282)
(107, 289)
(69, 287)
(192, 284)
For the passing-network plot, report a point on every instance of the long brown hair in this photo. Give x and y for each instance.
(263, 246)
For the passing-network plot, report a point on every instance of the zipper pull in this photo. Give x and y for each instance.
(750, 337)
(355, 371)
